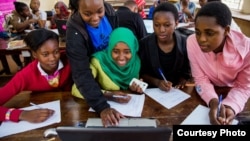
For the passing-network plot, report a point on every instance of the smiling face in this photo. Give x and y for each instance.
(210, 36)
(121, 54)
(92, 11)
(164, 25)
(48, 55)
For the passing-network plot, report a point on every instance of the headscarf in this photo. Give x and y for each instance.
(120, 75)
(140, 3)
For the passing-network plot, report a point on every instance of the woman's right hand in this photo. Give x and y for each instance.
(36, 115)
(110, 116)
(164, 86)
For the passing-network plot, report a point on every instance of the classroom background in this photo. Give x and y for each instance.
(240, 12)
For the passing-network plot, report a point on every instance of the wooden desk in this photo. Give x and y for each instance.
(4, 51)
(75, 110)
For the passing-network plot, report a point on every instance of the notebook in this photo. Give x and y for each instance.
(114, 134)
(61, 27)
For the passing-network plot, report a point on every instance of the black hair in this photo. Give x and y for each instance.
(218, 10)
(36, 38)
(130, 3)
(20, 6)
(167, 7)
(74, 5)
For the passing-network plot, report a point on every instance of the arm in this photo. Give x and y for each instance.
(13, 87)
(203, 85)
(240, 93)
(79, 61)
(42, 19)
(21, 26)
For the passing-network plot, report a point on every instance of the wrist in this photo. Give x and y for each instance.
(229, 107)
(8, 113)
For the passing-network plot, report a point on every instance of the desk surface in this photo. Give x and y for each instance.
(75, 110)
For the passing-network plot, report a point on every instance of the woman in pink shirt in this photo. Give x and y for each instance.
(219, 56)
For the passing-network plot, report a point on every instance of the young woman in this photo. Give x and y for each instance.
(62, 13)
(219, 57)
(117, 65)
(21, 19)
(165, 49)
(88, 31)
(48, 72)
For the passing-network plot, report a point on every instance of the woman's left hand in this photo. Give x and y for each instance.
(117, 96)
(181, 84)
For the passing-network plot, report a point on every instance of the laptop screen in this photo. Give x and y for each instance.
(114, 134)
(61, 27)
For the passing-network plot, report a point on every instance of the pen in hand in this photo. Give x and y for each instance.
(219, 106)
(33, 104)
(161, 73)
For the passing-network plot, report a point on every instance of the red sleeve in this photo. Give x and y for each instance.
(14, 115)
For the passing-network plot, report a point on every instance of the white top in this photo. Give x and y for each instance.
(42, 15)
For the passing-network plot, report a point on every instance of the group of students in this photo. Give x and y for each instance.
(25, 17)
(102, 58)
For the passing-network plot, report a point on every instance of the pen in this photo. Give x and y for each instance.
(33, 104)
(119, 96)
(161, 73)
(219, 106)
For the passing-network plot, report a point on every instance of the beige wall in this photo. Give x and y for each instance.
(46, 4)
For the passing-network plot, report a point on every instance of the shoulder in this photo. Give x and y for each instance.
(109, 9)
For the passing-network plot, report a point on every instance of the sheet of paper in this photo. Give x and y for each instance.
(9, 128)
(149, 25)
(167, 99)
(200, 116)
(133, 108)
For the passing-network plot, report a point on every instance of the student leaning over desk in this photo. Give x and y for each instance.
(49, 71)
(88, 31)
(117, 65)
(220, 57)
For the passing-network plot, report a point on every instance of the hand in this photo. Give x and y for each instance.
(181, 84)
(136, 88)
(36, 115)
(230, 115)
(110, 116)
(215, 117)
(164, 86)
(110, 96)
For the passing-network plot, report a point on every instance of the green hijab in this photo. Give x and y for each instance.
(120, 75)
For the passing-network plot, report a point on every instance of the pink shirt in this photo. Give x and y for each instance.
(229, 68)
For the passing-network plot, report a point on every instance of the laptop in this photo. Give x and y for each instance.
(61, 27)
(114, 133)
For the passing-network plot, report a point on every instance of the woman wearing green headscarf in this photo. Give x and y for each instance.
(114, 67)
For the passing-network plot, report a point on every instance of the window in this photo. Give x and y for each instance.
(234, 4)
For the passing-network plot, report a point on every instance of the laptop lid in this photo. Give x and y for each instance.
(61, 27)
(114, 134)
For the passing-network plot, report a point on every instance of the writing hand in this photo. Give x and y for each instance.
(36, 115)
(110, 116)
(216, 117)
(164, 86)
